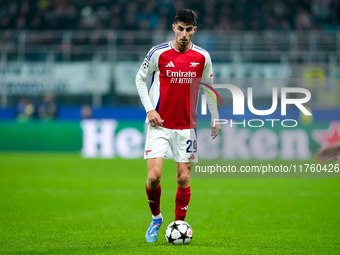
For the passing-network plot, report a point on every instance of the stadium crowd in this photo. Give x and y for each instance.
(157, 15)
(89, 20)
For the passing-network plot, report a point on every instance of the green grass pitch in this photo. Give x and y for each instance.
(63, 204)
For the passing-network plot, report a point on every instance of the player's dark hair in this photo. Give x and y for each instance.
(187, 16)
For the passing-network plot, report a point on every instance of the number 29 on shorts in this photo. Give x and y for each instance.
(192, 146)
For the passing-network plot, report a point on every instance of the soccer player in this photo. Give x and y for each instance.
(169, 108)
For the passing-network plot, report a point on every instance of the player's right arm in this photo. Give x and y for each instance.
(154, 118)
(148, 66)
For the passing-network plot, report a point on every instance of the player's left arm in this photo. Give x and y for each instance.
(330, 152)
(207, 77)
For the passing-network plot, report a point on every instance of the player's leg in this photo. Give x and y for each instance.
(184, 147)
(153, 191)
(153, 187)
(156, 147)
(183, 190)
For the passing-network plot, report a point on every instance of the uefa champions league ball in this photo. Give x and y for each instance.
(178, 232)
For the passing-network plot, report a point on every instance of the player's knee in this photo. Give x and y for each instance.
(154, 177)
(183, 179)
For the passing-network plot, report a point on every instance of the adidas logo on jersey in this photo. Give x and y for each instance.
(170, 64)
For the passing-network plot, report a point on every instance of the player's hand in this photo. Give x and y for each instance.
(328, 153)
(154, 118)
(215, 130)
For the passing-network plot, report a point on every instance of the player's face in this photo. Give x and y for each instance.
(183, 33)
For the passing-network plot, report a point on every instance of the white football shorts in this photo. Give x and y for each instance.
(183, 143)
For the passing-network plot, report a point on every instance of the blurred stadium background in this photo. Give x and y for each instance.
(64, 61)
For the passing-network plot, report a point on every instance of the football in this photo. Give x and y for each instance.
(178, 232)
